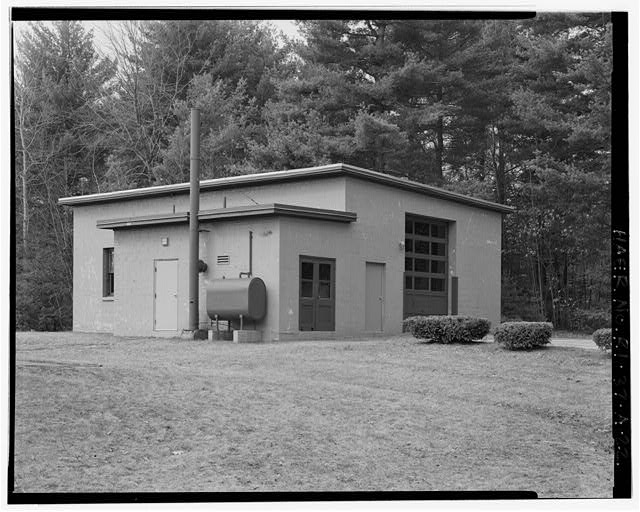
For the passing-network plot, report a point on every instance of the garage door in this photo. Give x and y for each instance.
(426, 265)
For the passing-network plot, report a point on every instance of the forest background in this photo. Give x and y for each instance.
(517, 112)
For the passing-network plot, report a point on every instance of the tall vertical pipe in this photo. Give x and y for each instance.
(194, 206)
(250, 253)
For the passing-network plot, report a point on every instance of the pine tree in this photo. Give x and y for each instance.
(561, 113)
(161, 64)
(58, 81)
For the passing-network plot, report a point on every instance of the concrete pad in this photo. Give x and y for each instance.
(198, 334)
(247, 336)
(583, 343)
(220, 336)
(586, 344)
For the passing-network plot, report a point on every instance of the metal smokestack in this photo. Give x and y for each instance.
(194, 206)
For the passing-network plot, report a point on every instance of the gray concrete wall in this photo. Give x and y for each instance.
(474, 256)
(474, 245)
(326, 193)
(135, 252)
(324, 240)
(232, 239)
(138, 248)
(93, 313)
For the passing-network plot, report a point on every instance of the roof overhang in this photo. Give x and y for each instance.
(237, 212)
(142, 221)
(250, 180)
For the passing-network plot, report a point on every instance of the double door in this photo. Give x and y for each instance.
(317, 294)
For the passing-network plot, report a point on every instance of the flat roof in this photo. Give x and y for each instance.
(236, 212)
(323, 171)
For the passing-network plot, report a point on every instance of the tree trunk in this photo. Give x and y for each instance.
(500, 172)
(540, 282)
(439, 139)
(554, 318)
(25, 195)
(25, 208)
(439, 147)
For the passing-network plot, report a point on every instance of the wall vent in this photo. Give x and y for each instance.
(223, 259)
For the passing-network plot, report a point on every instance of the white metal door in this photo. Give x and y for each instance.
(165, 295)
(374, 297)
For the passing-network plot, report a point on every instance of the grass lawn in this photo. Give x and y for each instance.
(101, 413)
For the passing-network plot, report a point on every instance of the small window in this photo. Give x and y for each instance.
(306, 289)
(408, 226)
(324, 290)
(307, 270)
(421, 283)
(107, 272)
(324, 281)
(421, 247)
(420, 265)
(437, 267)
(408, 264)
(437, 285)
(437, 249)
(408, 282)
(408, 244)
(422, 228)
(324, 270)
(438, 231)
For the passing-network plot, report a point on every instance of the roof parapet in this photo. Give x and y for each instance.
(324, 171)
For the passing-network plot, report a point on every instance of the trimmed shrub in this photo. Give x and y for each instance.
(602, 338)
(447, 329)
(523, 335)
(408, 324)
(478, 328)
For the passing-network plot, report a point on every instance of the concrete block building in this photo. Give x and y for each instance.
(343, 251)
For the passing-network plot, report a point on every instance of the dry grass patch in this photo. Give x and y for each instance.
(100, 413)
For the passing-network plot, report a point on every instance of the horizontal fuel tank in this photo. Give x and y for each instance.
(230, 298)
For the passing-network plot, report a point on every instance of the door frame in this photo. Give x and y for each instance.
(155, 283)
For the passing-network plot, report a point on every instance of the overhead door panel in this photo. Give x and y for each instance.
(426, 265)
